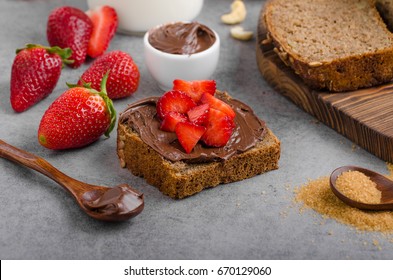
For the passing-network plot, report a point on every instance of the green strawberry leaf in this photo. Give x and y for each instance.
(111, 108)
(63, 53)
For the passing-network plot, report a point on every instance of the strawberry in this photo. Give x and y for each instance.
(198, 115)
(195, 89)
(123, 77)
(189, 134)
(77, 118)
(34, 74)
(171, 120)
(174, 101)
(219, 129)
(218, 104)
(105, 22)
(70, 27)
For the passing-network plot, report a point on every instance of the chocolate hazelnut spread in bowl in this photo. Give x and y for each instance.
(182, 38)
(181, 50)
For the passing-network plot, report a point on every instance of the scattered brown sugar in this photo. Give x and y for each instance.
(317, 195)
(359, 187)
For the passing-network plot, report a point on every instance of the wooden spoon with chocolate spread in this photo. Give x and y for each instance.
(114, 204)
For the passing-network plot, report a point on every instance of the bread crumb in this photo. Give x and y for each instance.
(376, 244)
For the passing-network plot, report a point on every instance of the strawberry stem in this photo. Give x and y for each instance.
(112, 112)
(63, 53)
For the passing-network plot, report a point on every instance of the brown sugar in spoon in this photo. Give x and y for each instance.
(383, 184)
(115, 204)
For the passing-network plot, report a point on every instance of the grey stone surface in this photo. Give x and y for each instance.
(252, 219)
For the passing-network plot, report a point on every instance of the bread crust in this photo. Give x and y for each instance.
(180, 179)
(346, 73)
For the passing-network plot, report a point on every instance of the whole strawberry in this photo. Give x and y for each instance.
(34, 74)
(70, 27)
(77, 118)
(123, 79)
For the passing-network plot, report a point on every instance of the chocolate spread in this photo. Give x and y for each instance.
(182, 38)
(116, 201)
(141, 118)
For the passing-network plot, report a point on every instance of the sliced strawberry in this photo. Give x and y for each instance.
(195, 89)
(174, 101)
(105, 22)
(218, 104)
(171, 120)
(198, 114)
(219, 129)
(189, 134)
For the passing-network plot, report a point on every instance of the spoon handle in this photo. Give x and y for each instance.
(41, 165)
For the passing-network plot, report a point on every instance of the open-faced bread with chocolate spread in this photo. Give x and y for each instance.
(149, 152)
(338, 45)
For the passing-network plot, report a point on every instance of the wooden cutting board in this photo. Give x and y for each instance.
(363, 116)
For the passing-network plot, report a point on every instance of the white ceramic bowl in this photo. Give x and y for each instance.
(166, 67)
(137, 16)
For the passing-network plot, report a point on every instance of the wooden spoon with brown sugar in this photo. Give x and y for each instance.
(383, 184)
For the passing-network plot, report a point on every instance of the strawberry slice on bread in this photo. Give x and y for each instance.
(174, 101)
(193, 112)
(195, 89)
(189, 134)
(198, 114)
(217, 104)
(171, 120)
(219, 129)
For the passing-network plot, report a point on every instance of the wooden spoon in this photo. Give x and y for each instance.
(102, 203)
(383, 184)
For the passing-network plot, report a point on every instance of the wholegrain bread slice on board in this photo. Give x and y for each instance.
(338, 45)
(179, 179)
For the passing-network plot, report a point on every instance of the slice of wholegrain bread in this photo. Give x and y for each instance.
(338, 45)
(179, 179)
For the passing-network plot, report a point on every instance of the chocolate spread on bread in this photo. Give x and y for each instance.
(141, 118)
(182, 38)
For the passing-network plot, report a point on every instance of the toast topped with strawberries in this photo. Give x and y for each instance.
(191, 138)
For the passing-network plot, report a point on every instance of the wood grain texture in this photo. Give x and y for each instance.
(363, 116)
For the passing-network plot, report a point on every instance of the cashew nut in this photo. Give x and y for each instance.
(239, 33)
(238, 13)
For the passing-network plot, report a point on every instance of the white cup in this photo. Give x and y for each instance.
(137, 16)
